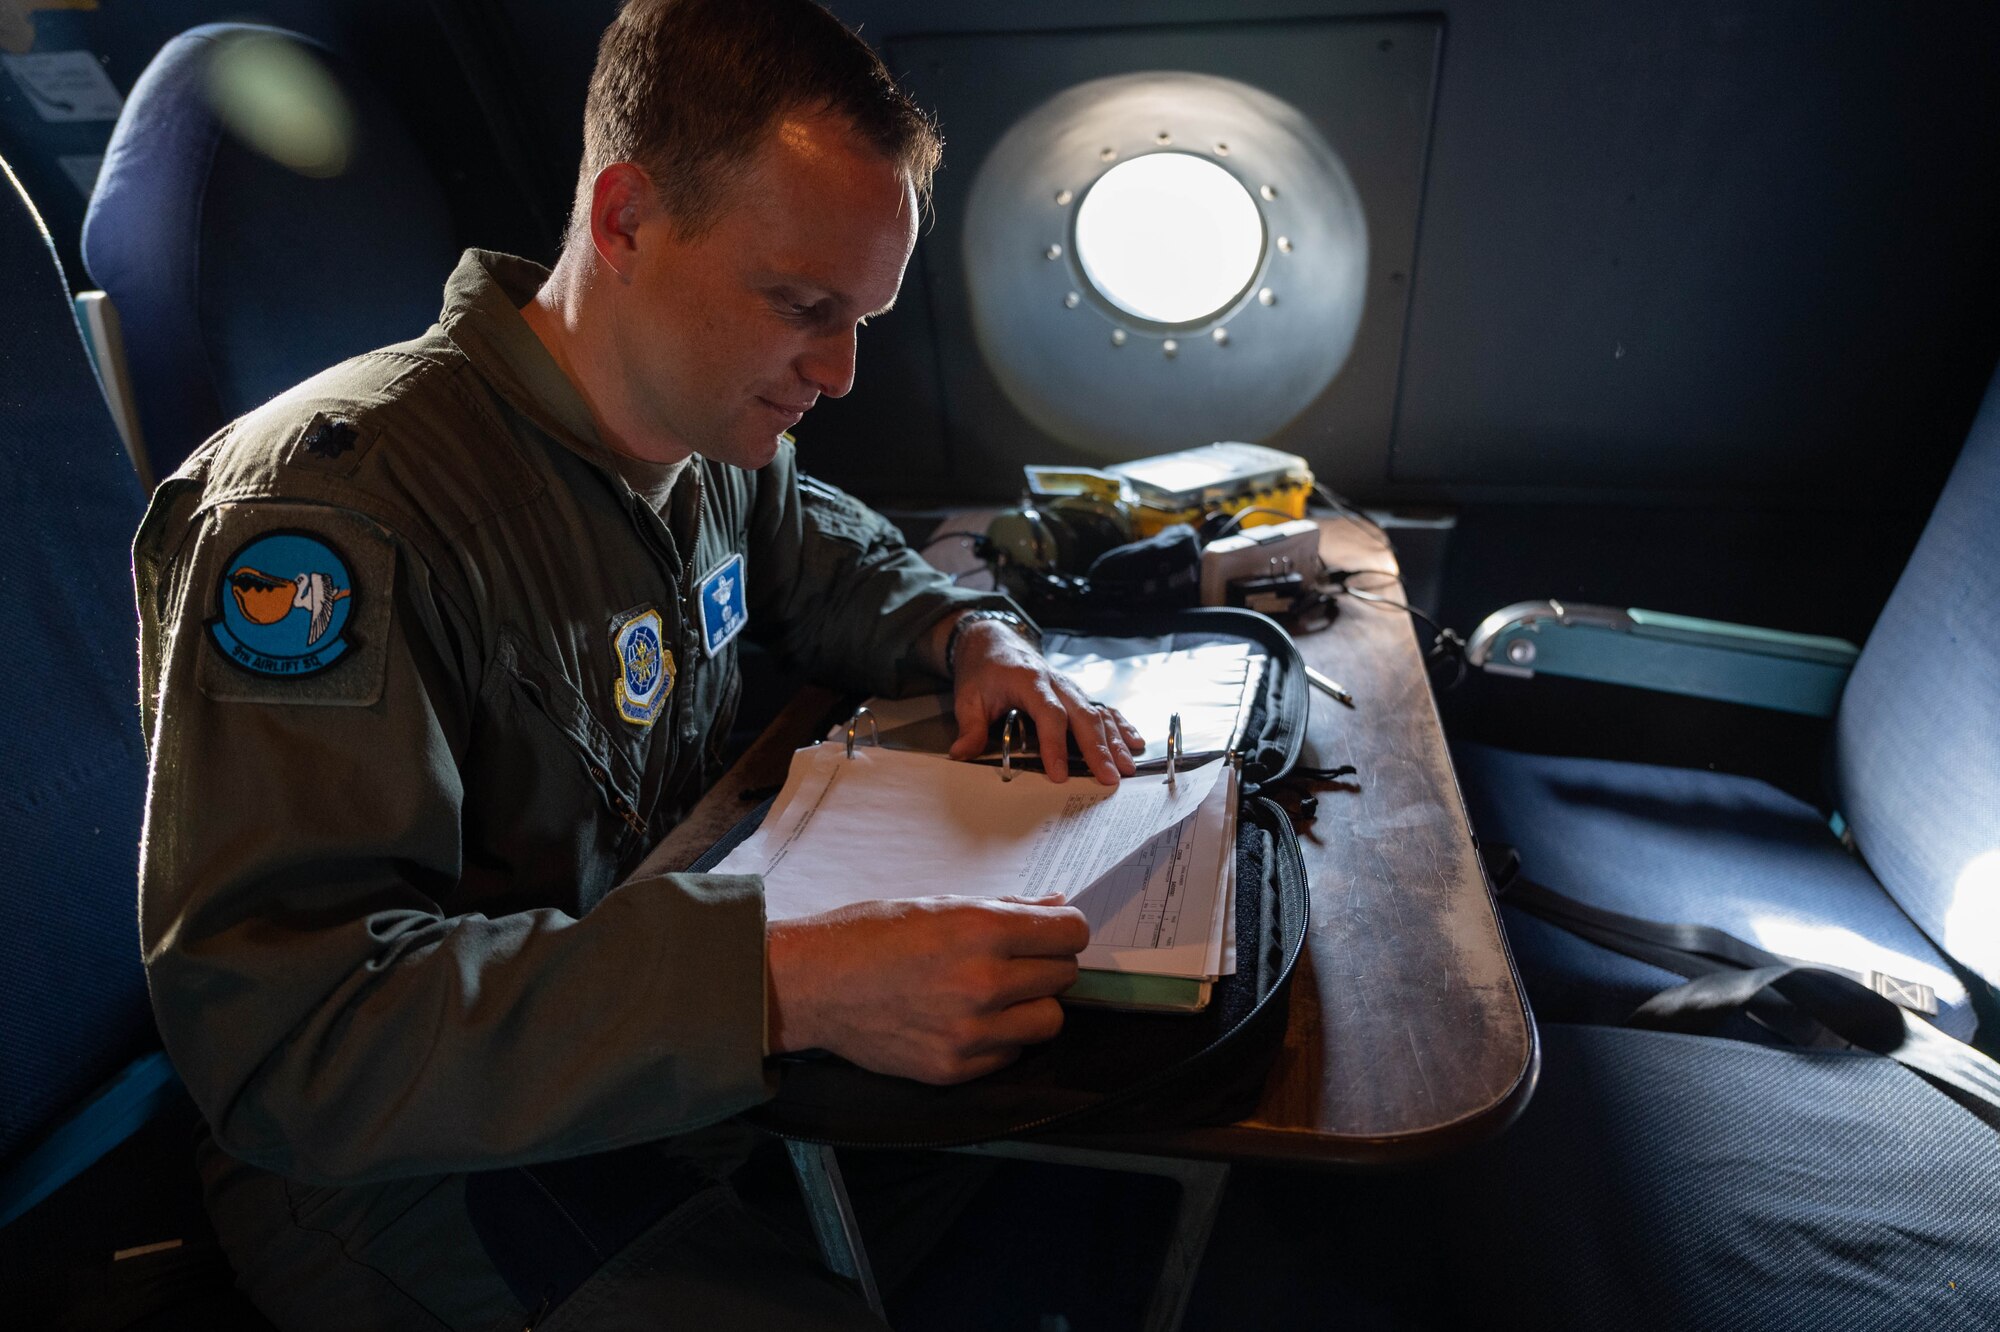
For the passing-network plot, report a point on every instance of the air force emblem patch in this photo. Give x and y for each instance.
(724, 608)
(283, 605)
(646, 668)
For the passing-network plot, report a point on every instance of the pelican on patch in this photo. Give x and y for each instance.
(267, 600)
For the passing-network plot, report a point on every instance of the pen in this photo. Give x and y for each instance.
(1330, 685)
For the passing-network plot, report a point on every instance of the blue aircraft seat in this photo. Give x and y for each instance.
(235, 276)
(79, 1061)
(1917, 753)
(1918, 732)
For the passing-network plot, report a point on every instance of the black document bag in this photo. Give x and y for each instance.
(1112, 1070)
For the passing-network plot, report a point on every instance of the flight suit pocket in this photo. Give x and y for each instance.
(401, 1253)
(555, 797)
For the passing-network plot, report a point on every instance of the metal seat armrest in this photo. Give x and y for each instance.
(1677, 654)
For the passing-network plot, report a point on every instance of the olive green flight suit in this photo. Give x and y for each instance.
(383, 902)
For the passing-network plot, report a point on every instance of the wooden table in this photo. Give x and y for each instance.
(1408, 1033)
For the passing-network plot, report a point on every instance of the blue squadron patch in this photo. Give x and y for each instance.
(283, 602)
(724, 610)
(646, 668)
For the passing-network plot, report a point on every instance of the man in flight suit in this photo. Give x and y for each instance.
(436, 645)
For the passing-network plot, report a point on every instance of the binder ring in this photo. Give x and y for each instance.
(1173, 746)
(874, 732)
(1007, 744)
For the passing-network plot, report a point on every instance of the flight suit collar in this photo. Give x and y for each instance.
(482, 315)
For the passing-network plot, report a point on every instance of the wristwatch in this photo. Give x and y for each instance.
(1019, 623)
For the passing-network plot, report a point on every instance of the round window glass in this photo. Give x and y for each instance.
(1169, 237)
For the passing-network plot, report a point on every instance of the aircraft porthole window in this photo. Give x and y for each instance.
(1163, 212)
(1170, 237)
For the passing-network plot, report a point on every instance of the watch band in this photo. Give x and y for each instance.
(1020, 624)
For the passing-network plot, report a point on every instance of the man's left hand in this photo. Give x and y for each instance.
(997, 670)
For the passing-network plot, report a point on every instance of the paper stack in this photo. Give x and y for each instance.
(1150, 862)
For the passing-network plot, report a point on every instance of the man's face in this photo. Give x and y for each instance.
(727, 339)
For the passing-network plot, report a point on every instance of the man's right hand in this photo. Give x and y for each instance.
(940, 989)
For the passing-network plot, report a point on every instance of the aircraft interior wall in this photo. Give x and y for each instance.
(1717, 253)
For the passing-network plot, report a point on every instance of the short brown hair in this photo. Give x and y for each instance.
(687, 89)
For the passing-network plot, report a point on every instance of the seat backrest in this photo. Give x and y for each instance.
(73, 1004)
(1918, 735)
(236, 276)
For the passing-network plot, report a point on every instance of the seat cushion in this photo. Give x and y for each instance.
(1655, 1181)
(1685, 846)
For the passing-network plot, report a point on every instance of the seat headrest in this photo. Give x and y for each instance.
(236, 276)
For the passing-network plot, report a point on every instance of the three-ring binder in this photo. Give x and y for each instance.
(1012, 731)
(874, 731)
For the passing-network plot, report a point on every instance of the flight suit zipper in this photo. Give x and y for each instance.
(691, 567)
(618, 803)
(656, 533)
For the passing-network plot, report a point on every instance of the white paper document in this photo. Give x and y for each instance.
(1206, 685)
(1167, 908)
(1145, 861)
(1209, 686)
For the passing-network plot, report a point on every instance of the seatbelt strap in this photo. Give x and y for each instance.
(1685, 950)
(1844, 1007)
(1797, 1000)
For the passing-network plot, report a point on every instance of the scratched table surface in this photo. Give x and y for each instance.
(1408, 1035)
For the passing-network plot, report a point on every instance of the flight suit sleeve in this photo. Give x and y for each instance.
(334, 1022)
(837, 592)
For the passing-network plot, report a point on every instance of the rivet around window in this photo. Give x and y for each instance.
(1053, 252)
(1267, 297)
(1117, 337)
(1063, 197)
(1285, 244)
(1221, 336)
(1222, 150)
(1170, 346)
(1163, 138)
(1071, 301)
(1107, 154)
(1269, 192)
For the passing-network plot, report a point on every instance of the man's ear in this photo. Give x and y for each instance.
(621, 198)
